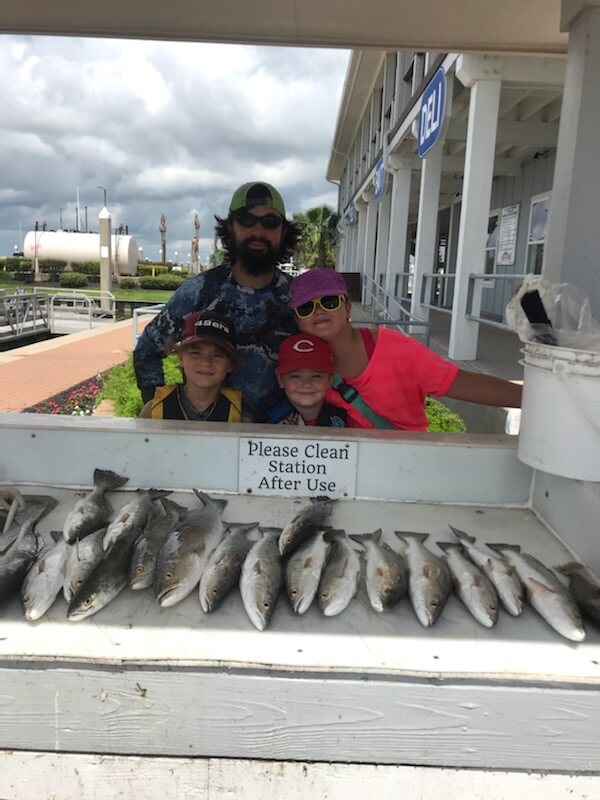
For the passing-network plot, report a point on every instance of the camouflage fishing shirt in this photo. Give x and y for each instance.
(262, 319)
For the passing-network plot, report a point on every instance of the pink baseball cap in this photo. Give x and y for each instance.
(303, 351)
(316, 282)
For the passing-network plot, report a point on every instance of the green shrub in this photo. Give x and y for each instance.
(441, 419)
(25, 264)
(127, 283)
(13, 263)
(120, 386)
(89, 268)
(4, 275)
(162, 282)
(73, 280)
(53, 265)
(145, 270)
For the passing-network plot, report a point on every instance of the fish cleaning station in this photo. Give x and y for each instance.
(150, 699)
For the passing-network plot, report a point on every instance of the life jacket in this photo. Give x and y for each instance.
(166, 404)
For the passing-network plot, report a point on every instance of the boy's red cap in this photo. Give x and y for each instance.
(304, 351)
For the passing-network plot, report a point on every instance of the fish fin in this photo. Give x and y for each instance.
(500, 546)
(461, 534)
(570, 567)
(411, 535)
(477, 581)
(108, 479)
(267, 529)
(158, 494)
(425, 570)
(445, 546)
(56, 536)
(308, 562)
(322, 498)
(257, 569)
(542, 586)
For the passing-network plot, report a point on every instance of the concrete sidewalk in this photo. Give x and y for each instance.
(31, 374)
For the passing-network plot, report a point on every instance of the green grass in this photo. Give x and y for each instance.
(120, 386)
(145, 295)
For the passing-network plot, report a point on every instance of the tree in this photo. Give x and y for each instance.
(319, 239)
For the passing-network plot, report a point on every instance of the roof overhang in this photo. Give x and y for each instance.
(461, 25)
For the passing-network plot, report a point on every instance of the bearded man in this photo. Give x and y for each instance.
(248, 289)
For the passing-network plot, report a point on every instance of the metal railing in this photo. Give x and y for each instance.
(23, 314)
(515, 279)
(437, 291)
(388, 311)
(143, 311)
(78, 305)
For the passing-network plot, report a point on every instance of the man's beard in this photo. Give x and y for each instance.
(256, 262)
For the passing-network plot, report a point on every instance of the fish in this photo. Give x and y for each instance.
(585, 588)
(82, 557)
(44, 504)
(223, 569)
(44, 580)
(106, 580)
(148, 543)
(303, 524)
(339, 580)
(262, 578)
(429, 580)
(303, 572)
(92, 511)
(185, 551)
(545, 592)
(386, 575)
(471, 585)
(504, 577)
(21, 554)
(11, 500)
(133, 516)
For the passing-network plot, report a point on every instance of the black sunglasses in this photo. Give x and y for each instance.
(248, 220)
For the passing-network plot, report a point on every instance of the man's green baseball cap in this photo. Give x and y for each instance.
(257, 194)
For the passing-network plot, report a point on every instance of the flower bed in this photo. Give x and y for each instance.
(79, 400)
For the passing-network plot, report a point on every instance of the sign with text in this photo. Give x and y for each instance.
(297, 467)
(431, 115)
(507, 235)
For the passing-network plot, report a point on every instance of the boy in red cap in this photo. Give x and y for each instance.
(207, 355)
(304, 372)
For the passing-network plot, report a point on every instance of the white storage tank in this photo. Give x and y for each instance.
(80, 247)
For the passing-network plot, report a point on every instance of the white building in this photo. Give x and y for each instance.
(475, 210)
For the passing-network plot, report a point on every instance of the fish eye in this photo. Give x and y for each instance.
(266, 605)
(139, 569)
(87, 602)
(214, 591)
(324, 595)
(294, 592)
(168, 575)
(434, 603)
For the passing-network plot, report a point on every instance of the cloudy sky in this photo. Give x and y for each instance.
(167, 128)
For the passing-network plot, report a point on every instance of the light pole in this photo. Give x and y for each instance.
(176, 258)
(104, 190)
(140, 255)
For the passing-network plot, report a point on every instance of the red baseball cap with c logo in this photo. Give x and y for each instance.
(304, 351)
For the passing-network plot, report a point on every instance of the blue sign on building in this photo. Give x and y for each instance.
(379, 179)
(431, 115)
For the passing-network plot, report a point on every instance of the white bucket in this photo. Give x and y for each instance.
(560, 419)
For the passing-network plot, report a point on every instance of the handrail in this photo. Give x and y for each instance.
(152, 310)
(381, 298)
(24, 314)
(96, 304)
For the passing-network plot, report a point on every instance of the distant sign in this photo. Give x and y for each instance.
(431, 116)
(297, 467)
(507, 235)
(379, 179)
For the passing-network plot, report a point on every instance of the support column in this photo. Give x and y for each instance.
(368, 255)
(105, 255)
(427, 222)
(383, 238)
(359, 250)
(396, 255)
(483, 75)
(571, 253)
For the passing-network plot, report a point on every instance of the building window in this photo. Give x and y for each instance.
(491, 243)
(536, 237)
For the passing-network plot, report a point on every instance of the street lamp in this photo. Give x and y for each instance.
(140, 254)
(104, 190)
(176, 258)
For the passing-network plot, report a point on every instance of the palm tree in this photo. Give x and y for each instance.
(319, 239)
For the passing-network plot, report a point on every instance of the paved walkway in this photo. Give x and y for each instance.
(31, 374)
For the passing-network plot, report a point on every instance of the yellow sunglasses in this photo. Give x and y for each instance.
(329, 302)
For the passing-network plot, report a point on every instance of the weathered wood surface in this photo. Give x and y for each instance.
(270, 716)
(49, 776)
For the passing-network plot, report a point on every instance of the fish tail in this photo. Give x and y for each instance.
(445, 546)
(404, 535)
(464, 537)
(108, 480)
(500, 546)
(570, 567)
(158, 494)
